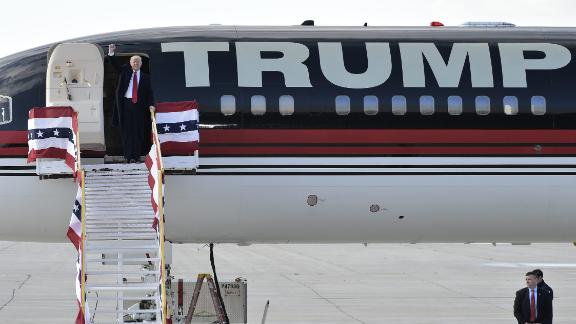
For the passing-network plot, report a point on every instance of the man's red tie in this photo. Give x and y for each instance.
(532, 306)
(135, 88)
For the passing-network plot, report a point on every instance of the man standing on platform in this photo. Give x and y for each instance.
(134, 99)
(532, 305)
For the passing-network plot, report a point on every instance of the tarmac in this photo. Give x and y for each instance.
(336, 283)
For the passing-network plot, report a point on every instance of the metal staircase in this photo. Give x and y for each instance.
(122, 252)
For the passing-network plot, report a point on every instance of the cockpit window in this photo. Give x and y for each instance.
(5, 109)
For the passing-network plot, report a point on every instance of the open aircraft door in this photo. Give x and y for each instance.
(75, 77)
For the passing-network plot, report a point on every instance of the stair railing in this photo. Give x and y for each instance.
(80, 176)
(160, 215)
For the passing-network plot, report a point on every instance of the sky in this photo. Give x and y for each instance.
(27, 24)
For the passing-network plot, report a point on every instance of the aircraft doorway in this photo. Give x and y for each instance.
(112, 134)
(74, 77)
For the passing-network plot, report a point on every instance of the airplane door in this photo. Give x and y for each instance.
(75, 78)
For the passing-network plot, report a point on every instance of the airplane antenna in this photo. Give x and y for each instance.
(308, 23)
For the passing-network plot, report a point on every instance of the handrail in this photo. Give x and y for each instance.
(78, 155)
(156, 140)
(83, 265)
(82, 174)
(160, 215)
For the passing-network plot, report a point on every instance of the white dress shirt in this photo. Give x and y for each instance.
(128, 93)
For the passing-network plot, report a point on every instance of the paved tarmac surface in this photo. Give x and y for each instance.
(341, 283)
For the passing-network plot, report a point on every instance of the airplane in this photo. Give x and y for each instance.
(323, 134)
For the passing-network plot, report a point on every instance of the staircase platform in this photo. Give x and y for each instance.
(170, 162)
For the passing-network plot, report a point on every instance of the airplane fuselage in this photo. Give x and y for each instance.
(326, 134)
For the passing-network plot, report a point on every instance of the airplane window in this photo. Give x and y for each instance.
(228, 105)
(455, 105)
(258, 104)
(286, 104)
(399, 105)
(538, 104)
(342, 105)
(510, 105)
(370, 105)
(5, 110)
(427, 105)
(482, 105)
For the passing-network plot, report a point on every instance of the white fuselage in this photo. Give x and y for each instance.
(321, 200)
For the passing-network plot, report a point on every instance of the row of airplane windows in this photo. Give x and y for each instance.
(399, 106)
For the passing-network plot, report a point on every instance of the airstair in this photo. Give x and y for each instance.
(122, 252)
(119, 228)
(123, 256)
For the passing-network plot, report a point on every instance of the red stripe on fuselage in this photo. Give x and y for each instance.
(384, 136)
(14, 151)
(13, 137)
(222, 142)
(385, 150)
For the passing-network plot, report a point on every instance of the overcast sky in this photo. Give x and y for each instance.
(27, 24)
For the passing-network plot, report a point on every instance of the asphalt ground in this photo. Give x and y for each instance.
(336, 283)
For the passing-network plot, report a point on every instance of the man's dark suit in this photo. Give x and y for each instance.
(133, 118)
(543, 306)
(544, 286)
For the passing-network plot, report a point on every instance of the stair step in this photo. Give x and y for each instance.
(100, 260)
(104, 196)
(129, 211)
(129, 287)
(129, 242)
(118, 227)
(115, 175)
(126, 311)
(122, 170)
(119, 183)
(108, 226)
(120, 244)
(119, 193)
(128, 273)
(142, 231)
(122, 220)
(145, 208)
(122, 236)
(104, 217)
(126, 249)
(97, 221)
(100, 186)
(147, 224)
(143, 218)
(120, 230)
(101, 239)
(105, 201)
(109, 190)
(121, 223)
(125, 298)
(138, 171)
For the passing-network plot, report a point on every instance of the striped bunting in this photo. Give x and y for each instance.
(177, 125)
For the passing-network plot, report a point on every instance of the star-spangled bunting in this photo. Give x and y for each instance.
(177, 125)
(52, 134)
